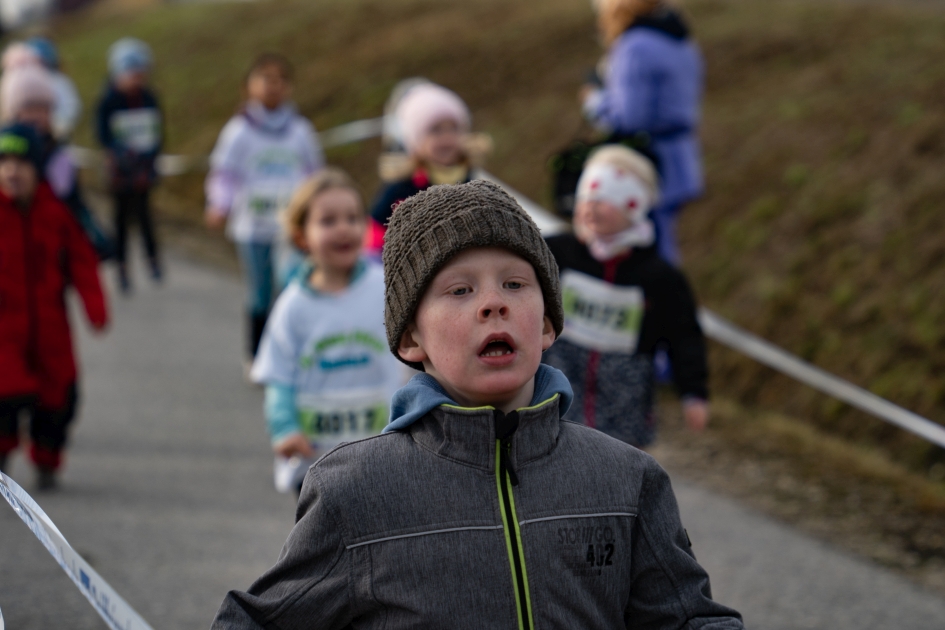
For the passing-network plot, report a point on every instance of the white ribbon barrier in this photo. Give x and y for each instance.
(714, 326)
(171, 165)
(109, 605)
(726, 333)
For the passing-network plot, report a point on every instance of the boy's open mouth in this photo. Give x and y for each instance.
(497, 346)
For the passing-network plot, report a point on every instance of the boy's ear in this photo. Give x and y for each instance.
(410, 348)
(548, 335)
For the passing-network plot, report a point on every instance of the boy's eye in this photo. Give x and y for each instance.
(513, 284)
(460, 291)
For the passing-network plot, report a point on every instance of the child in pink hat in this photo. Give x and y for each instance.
(433, 126)
(28, 96)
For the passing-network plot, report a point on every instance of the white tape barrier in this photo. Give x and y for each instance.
(356, 131)
(548, 223)
(171, 165)
(112, 608)
(714, 326)
(774, 357)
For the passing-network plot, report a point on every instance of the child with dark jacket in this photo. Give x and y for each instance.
(44, 251)
(622, 300)
(130, 127)
(479, 507)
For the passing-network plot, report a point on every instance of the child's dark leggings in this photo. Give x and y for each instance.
(48, 428)
(130, 206)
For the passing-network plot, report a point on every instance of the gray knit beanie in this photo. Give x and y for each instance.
(433, 226)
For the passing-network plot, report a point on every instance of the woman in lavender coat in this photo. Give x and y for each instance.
(653, 83)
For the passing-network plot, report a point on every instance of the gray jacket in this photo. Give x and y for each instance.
(414, 529)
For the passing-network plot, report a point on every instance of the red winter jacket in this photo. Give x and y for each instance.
(42, 250)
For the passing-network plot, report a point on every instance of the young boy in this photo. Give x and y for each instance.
(130, 127)
(479, 507)
(261, 156)
(328, 375)
(621, 301)
(43, 251)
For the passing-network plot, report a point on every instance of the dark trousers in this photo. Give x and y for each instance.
(48, 427)
(133, 205)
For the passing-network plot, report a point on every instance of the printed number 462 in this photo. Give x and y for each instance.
(600, 555)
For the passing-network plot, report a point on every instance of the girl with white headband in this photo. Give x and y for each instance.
(621, 302)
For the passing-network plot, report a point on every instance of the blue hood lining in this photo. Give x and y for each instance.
(423, 394)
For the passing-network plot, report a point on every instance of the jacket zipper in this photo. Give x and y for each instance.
(505, 480)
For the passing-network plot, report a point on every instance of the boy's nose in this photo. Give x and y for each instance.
(493, 306)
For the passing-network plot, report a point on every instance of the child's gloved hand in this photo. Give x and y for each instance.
(295, 444)
(696, 414)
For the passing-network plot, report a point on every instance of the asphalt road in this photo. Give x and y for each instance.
(167, 493)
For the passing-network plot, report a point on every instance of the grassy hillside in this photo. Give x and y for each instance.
(824, 143)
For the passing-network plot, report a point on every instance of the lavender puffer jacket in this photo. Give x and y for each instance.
(654, 83)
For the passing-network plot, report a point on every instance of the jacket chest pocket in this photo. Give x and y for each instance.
(589, 554)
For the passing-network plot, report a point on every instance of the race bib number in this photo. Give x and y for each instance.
(601, 316)
(137, 129)
(330, 420)
(327, 421)
(267, 200)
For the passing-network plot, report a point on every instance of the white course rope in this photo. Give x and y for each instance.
(726, 333)
(107, 603)
(171, 165)
(714, 326)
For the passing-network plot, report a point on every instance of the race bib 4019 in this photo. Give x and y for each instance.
(601, 316)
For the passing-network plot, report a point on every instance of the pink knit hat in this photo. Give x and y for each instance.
(423, 106)
(19, 55)
(24, 85)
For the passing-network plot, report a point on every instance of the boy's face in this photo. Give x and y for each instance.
(269, 86)
(334, 229)
(132, 81)
(480, 329)
(18, 179)
(36, 114)
(442, 144)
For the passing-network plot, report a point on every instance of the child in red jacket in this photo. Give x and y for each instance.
(42, 250)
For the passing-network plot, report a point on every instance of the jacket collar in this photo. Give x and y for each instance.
(468, 435)
(666, 21)
(423, 394)
(423, 408)
(42, 196)
(275, 121)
